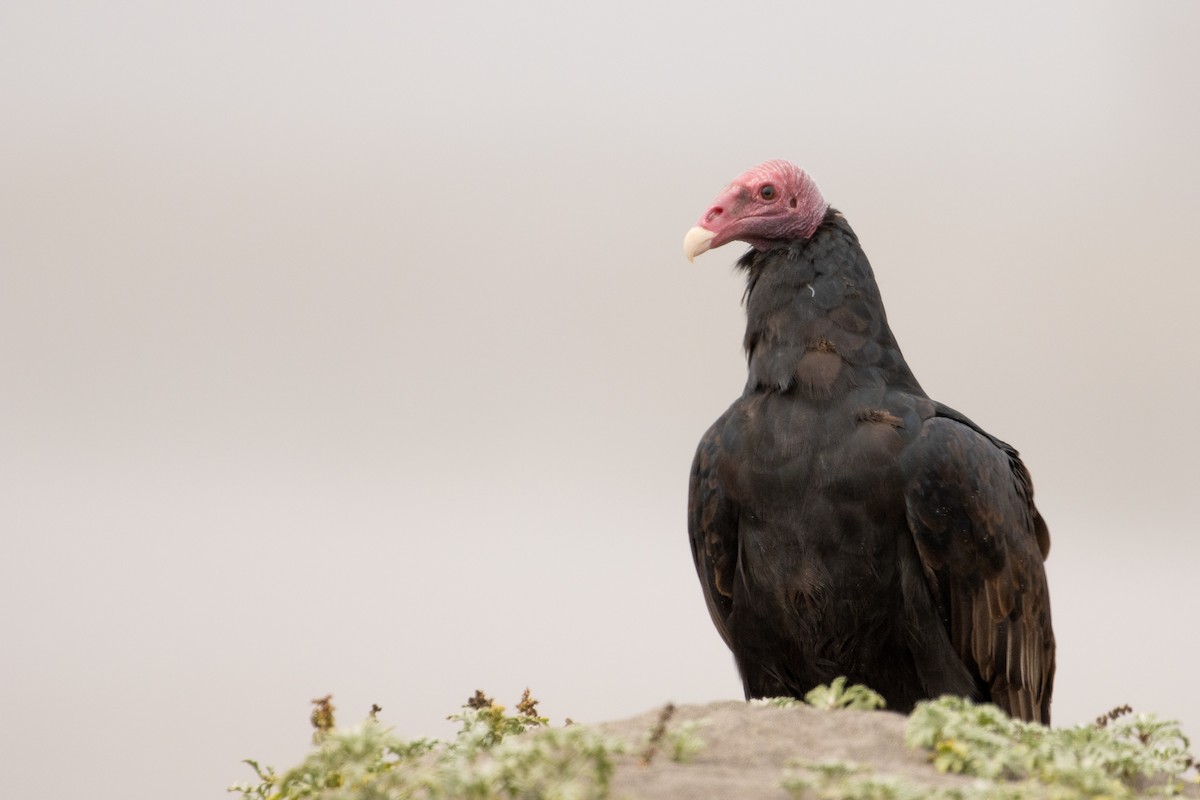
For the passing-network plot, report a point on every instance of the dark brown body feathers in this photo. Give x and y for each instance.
(842, 523)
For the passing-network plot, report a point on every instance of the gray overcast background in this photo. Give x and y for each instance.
(350, 347)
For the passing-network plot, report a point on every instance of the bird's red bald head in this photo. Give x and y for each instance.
(771, 203)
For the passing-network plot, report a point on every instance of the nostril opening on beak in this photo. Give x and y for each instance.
(713, 213)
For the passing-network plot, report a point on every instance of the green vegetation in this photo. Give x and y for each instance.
(1015, 760)
(485, 760)
(682, 741)
(500, 756)
(835, 696)
(838, 695)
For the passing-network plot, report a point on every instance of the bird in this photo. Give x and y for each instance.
(842, 523)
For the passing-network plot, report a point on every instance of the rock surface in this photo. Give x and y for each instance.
(747, 751)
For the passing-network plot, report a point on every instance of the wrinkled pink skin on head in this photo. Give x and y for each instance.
(740, 212)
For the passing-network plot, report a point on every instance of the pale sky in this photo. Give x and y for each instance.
(350, 348)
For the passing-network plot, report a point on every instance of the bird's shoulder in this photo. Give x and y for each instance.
(960, 477)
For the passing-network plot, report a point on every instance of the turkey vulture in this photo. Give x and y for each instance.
(841, 522)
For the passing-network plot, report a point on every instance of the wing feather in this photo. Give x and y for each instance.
(970, 508)
(712, 529)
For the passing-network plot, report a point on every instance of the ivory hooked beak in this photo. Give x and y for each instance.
(697, 241)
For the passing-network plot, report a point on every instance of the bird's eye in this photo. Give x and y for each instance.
(767, 192)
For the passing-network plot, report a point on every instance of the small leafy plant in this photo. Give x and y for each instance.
(838, 695)
(682, 742)
(775, 702)
(832, 696)
(484, 761)
(1118, 758)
